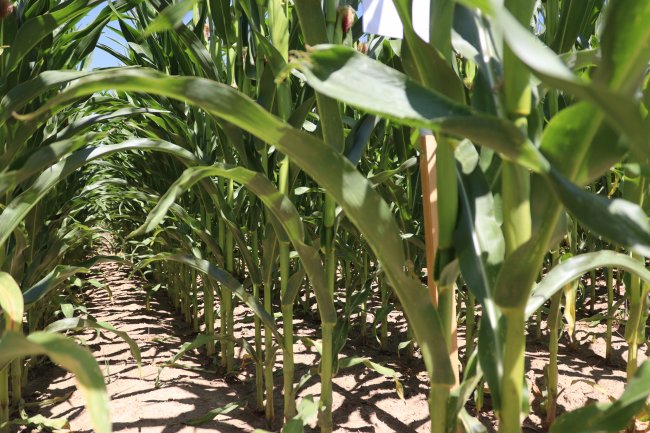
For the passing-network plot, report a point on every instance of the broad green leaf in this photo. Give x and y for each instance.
(618, 220)
(50, 424)
(576, 130)
(469, 423)
(573, 16)
(480, 248)
(615, 102)
(351, 361)
(478, 238)
(431, 62)
(77, 323)
(43, 158)
(576, 266)
(491, 356)
(67, 310)
(459, 396)
(199, 341)
(328, 69)
(74, 358)
(359, 137)
(625, 45)
(170, 17)
(307, 411)
(216, 412)
(196, 52)
(21, 94)
(295, 282)
(608, 417)
(223, 19)
(11, 302)
(313, 27)
(78, 125)
(385, 175)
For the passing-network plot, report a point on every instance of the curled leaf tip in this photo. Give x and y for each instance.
(23, 117)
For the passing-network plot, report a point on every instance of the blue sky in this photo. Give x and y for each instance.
(101, 59)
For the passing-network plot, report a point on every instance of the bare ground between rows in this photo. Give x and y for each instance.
(363, 400)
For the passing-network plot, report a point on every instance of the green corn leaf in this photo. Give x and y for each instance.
(479, 240)
(490, 356)
(11, 302)
(359, 137)
(576, 266)
(21, 94)
(328, 69)
(578, 130)
(430, 62)
(65, 352)
(295, 281)
(573, 17)
(480, 248)
(307, 411)
(618, 220)
(43, 158)
(609, 417)
(77, 323)
(67, 310)
(78, 125)
(351, 361)
(51, 424)
(199, 341)
(169, 18)
(216, 412)
(625, 45)
(223, 19)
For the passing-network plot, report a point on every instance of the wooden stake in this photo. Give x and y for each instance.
(430, 205)
(430, 209)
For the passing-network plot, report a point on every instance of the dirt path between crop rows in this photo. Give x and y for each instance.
(364, 401)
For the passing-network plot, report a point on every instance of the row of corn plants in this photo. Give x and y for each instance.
(265, 154)
(49, 237)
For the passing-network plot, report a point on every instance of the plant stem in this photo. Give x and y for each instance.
(208, 315)
(383, 336)
(610, 302)
(469, 325)
(269, 357)
(331, 7)
(552, 371)
(325, 404)
(513, 372)
(4, 400)
(259, 368)
(195, 301)
(438, 401)
(287, 310)
(226, 293)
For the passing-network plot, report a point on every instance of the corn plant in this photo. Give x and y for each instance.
(423, 99)
(283, 136)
